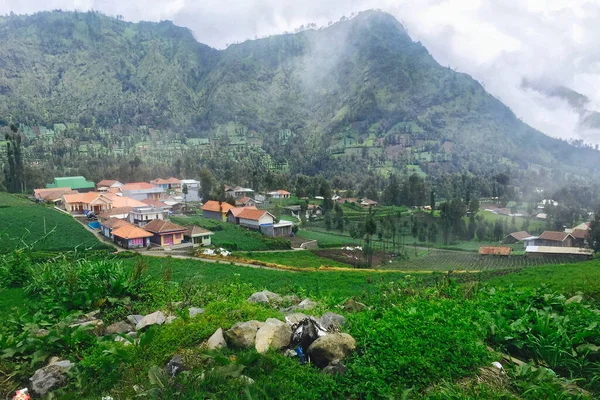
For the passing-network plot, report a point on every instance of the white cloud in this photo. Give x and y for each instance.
(497, 42)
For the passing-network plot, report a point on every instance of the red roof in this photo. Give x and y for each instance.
(237, 210)
(520, 235)
(131, 232)
(154, 203)
(580, 233)
(136, 186)
(161, 226)
(214, 206)
(495, 250)
(554, 236)
(106, 182)
(52, 193)
(251, 214)
(114, 223)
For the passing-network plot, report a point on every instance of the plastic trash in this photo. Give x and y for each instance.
(22, 394)
(307, 331)
(301, 356)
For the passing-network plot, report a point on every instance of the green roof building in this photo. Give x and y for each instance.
(73, 182)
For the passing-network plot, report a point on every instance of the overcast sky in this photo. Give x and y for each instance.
(498, 42)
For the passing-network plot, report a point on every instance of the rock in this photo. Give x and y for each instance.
(336, 367)
(134, 319)
(246, 379)
(216, 341)
(259, 297)
(335, 346)
(50, 377)
(273, 297)
(354, 306)
(575, 299)
(295, 318)
(332, 321)
(274, 334)
(176, 304)
(41, 333)
(307, 304)
(174, 366)
(119, 327)
(291, 299)
(125, 341)
(290, 353)
(243, 334)
(97, 326)
(156, 318)
(170, 319)
(92, 315)
(195, 311)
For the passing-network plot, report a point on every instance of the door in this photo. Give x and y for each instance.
(168, 239)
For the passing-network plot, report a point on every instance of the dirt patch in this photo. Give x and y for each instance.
(354, 258)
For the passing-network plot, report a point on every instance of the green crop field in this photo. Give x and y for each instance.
(295, 258)
(23, 226)
(233, 237)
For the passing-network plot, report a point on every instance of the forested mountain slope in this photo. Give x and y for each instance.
(360, 90)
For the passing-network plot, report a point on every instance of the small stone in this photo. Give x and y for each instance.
(291, 299)
(216, 341)
(118, 327)
(332, 321)
(134, 319)
(290, 353)
(273, 334)
(258, 297)
(156, 318)
(41, 333)
(170, 319)
(336, 367)
(354, 306)
(335, 346)
(177, 304)
(195, 311)
(295, 318)
(174, 366)
(307, 304)
(243, 334)
(96, 324)
(575, 299)
(246, 379)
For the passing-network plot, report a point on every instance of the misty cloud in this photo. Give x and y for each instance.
(498, 43)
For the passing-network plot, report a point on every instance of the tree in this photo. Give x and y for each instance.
(481, 231)
(13, 171)
(594, 236)
(184, 190)
(206, 184)
(432, 200)
(339, 218)
(498, 230)
(328, 221)
(369, 229)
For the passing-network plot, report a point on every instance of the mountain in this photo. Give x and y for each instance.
(359, 95)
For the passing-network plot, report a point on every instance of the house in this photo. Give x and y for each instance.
(176, 203)
(72, 182)
(122, 201)
(86, 202)
(115, 212)
(108, 225)
(556, 239)
(542, 216)
(190, 183)
(516, 237)
(246, 201)
(580, 237)
(167, 184)
(131, 237)
(215, 210)
(142, 190)
(254, 219)
(165, 233)
(156, 204)
(546, 202)
(198, 236)
(106, 184)
(368, 203)
(233, 214)
(575, 253)
(52, 195)
(141, 216)
(279, 194)
(530, 241)
(312, 210)
(344, 200)
(494, 250)
(193, 187)
(238, 191)
(279, 229)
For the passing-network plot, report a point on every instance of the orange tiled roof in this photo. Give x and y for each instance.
(213, 206)
(284, 192)
(251, 214)
(52, 193)
(106, 182)
(136, 186)
(86, 198)
(161, 226)
(123, 201)
(114, 223)
(237, 210)
(154, 203)
(131, 232)
(115, 211)
(495, 250)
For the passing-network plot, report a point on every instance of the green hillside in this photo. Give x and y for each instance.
(358, 96)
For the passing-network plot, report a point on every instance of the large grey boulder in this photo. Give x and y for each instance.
(335, 346)
(273, 297)
(243, 334)
(119, 327)
(274, 334)
(217, 340)
(195, 311)
(50, 377)
(134, 319)
(332, 321)
(259, 298)
(156, 318)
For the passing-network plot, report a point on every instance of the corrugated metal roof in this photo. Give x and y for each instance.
(558, 250)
